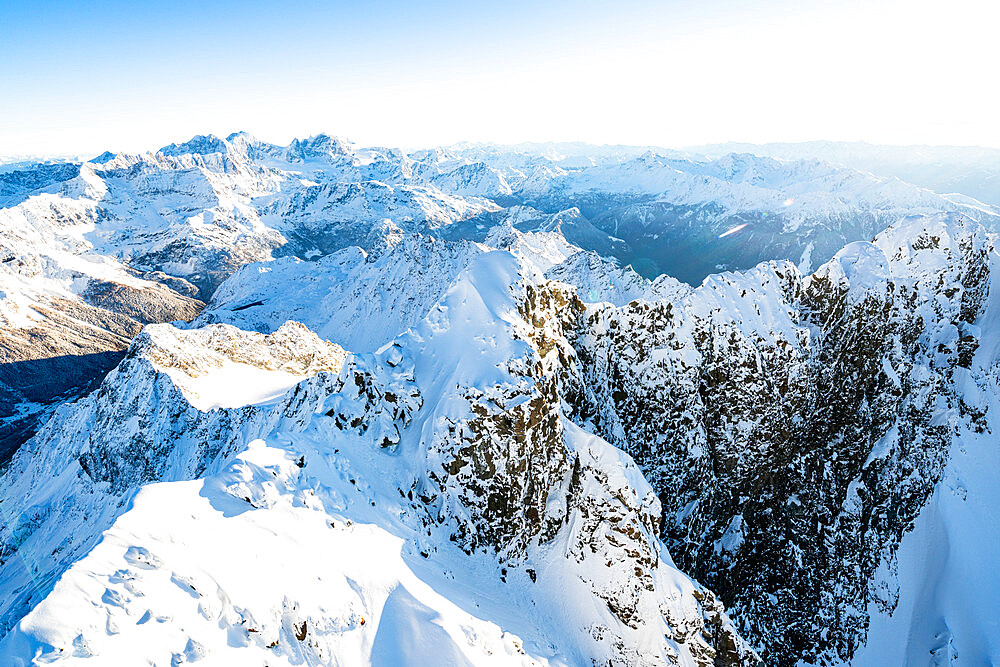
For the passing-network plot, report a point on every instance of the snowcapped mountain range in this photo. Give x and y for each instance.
(546, 404)
(970, 170)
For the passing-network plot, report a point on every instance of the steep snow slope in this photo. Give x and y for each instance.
(542, 250)
(365, 299)
(599, 279)
(823, 404)
(71, 480)
(433, 499)
(595, 277)
(201, 209)
(321, 218)
(362, 300)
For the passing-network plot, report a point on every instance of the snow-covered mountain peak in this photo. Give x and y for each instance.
(601, 280)
(537, 432)
(389, 290)
(860, 266)
(202, 144)
(938, 238)
(542, 249)
(385, 456)
(222, 366)
(320, 146)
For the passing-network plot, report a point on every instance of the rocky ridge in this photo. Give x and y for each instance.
(794, 426)
(481, 464)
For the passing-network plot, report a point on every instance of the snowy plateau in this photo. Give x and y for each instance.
(544, 404)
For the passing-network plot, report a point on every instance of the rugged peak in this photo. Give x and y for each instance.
(292, 348)
(860, 267)
(320, 146)
(201, 144)
(448, 443)
(243, 137)
(599, 279)
(541, 249)
(106, 156)
(921, 243)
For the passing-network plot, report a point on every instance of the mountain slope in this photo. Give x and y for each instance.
(795, 426)
(521, 435)
(970, 170)
(945, 614)
(67, 312)
(383, 457)
(361, 299)
(693, 217)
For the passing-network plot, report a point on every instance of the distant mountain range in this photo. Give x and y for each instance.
(545, 404)
(969, 170)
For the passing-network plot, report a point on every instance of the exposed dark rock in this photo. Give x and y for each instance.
(791, 458)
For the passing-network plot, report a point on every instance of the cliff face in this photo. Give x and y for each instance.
(128, 239)
(455, 457)
(791, 427)
(794, 426)
(58, 347)
(521, 436)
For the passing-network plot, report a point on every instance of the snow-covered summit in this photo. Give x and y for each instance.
(524, 399)
(377, 479)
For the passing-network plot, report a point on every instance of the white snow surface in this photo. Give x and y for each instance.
(362, 301)
(600, 280)
(213, 367)
(289, 526)
(297, 544)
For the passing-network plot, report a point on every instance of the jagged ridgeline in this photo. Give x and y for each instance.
(90, 252)
(794, 426)
(434, 483)
(791, 427)
(525, 452)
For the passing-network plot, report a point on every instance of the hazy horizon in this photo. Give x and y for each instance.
(124, 77)
(89, 154)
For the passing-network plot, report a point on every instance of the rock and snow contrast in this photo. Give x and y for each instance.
(526, 405)
(429, 499)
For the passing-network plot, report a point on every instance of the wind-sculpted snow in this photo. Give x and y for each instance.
(79, 472)
(365, 299)
(362, 300)
(432, 496)
(940, 612)
(599, 279)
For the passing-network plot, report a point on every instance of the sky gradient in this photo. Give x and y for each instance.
(84, 77)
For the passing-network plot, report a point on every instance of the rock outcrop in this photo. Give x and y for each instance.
(792, 425)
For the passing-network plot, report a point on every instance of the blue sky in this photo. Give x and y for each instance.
(86, 76)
